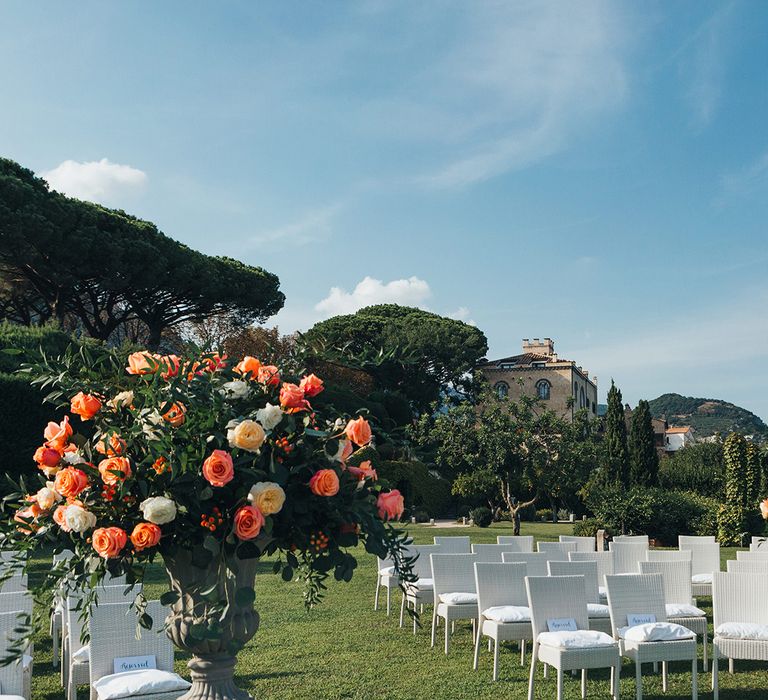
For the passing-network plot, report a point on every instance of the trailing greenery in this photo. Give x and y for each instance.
(643, 456)
(697, 467)
(615, 439)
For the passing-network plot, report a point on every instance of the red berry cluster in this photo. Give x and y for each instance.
(211, 522)
(284, 445)
(318, 541)
(108, 492)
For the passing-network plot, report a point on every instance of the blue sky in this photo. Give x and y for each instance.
(594, 172)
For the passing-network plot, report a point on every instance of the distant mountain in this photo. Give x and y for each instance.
(707, 416)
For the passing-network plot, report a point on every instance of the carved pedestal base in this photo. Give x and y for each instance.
(212, 679)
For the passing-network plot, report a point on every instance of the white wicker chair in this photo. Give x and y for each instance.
(643, 594)
(453, 545)
(604, 561)
(491, 552)
(583, 544)
(676, 579)
(114, 631)
(668, 555)
(559, 548)
(385, 577)
(520, 543)
(684, 540)
(598, 613)
(15, 679)
(454, 592)
(419, 592)
(564, 597)
(535, 561)
(56, 627)
(705, 560)
(748, 566)
(20, 601)
(626, 554)
(500, 590)
(752, 555)
(758, 543)
(632, 538)
(738, 598)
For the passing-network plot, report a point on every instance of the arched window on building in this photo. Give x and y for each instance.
(543, 388)
(501, 389)
(582, 398)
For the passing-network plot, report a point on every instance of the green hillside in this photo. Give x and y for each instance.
(707, 416)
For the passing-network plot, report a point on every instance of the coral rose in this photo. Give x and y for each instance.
(292, 398)
(267, 496)
(59, 517)
(70, 482)
(24, 515)
(114, 470)
(248, 367)
(85, 405)
(364, 471)
(47, 457)
(176, 414)
(358, 431)
(248, 522)
(311, 385)
(324, 483)
(269, 375)
(115, 446)
(145, 535)
(218, 469)
(248, 435)
(170, 366)
(391, 505)
(142, 363)
(58, 434)
(764, 509)
(109, 541)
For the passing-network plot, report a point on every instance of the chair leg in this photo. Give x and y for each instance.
(616, 675)
(478, 638)
(663, 676)
(532, 675)
(715, 688)
(402, 611)
(638, 680)
(706, 664)
(546, 670)
(730, 665)
(559, 684)
(522, 652)
(448, 631)
(694, 679)
(415, 608)
(389, 599)
(71, 690)
(434, 626)
(583, 683)
(495, 659)
(376, 597)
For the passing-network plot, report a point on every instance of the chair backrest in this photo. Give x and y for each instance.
(11, 676)
(556, 598)
(422, 567)
(747, 566)
(557, 548)
(739, 598)
(16, 600)
(73, 612)
(676, 579)
(587, 569)
(535, 561)
(635, 594)
(17, 582)
(684, 540)
(516, 543)
(453, 573)
(668, 555)
(583, 544)
(489, 552)
(632, 538)
(705, 556)
(626, 555)
(500, 584)
(759, 555)
(63, 555)
(453, 545)
(114, 632)
(604, 561)
(382, 564)
(758, 543)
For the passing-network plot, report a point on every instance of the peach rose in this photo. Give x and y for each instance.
(142, 363)
(85, 405)
(311, 385)
(47, 457)
(358, 431)
(764, 508)
(47, 497)
(248, 435)
(215, 362)
(115, 447)
(269, 375)
(324, 483)
(248, 367)
(248, 522)
(58, 434)
(176, 414)
(170, 365)
(391, 505)
(59, 517)
(24, 515)
(292, 398)
(267, 496)
(109, 541)
(364, 471)
(218, 469)
(145, 535)
(109, 467)
(70, 482)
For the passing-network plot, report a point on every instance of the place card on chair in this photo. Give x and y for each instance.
(562, 624)
(134, 663)
(640, 619)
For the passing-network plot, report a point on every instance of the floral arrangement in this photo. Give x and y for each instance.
(225, 459)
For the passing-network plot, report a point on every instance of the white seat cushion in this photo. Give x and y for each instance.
(701, 578)
(422, 584)
(11, 697)
(578, 639)
(130, 683)
(82, 655)
(598, 610)
(387, 571)
(683, 610)
(458, 598)
(742, 630)
(656, 632)
(508, 613)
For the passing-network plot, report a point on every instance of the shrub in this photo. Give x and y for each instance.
(420, 488)
(421, 516)
(545, 514)
(482, 516)
(588, 527)
(528, 514)
(563, 514)
(697, 468)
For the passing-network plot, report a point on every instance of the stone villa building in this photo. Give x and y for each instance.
(538, 371)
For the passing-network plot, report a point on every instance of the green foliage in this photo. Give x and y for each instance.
(697, 468)
(643, 457)
(588, 527)
(421, 490)
(615, 439)
(482, 516)
(544, 514)
(740, 490)
(481, 485)
(732, 525)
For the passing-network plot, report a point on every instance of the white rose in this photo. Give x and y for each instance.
(72, 458)
(158, 510)
(124, 398)
(151, 422)
(269, 416)
(47, 497)
(78, 519)
(237, 389)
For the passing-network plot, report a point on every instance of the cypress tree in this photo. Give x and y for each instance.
(616, 451)
(643, 457)
(733, 515)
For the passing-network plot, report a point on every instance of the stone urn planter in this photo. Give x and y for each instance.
(211, 621)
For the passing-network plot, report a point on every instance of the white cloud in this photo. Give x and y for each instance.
(96, 181)
(407, 292)
(313, 226)
(463, 314)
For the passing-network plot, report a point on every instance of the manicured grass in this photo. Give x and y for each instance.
(344, 649)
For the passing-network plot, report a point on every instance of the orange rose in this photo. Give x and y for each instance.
(248, 522)
(24, 515)
(58, 434)
(176, 414)
(364, 471)
(292, 398)
(390, 505)
(764, 509)
(358, 431)
(115, 447)
(142, 363)
(311, 385)
(215, 362)
(248, 367)
(58, 518)
(47, 457)
(160, 465)
(109, 541)
(324, 483)
(70, 482)
(145, 535)
(85, 405)
(169, 365)
(109, 467)
(269, 375)
(218, 469)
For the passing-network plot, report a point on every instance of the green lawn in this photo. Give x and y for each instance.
(344, 649)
